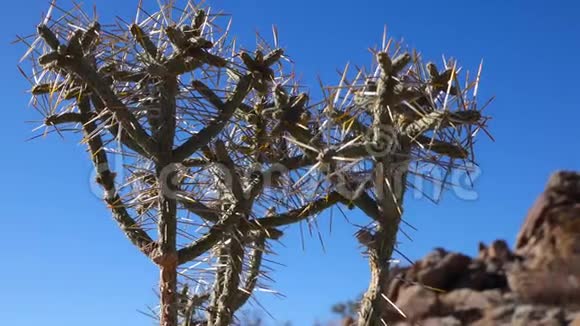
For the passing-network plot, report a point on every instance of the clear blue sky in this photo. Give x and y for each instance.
(64, 262)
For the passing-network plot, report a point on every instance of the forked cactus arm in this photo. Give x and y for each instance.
(442, 119)
(293, 216)
(105, 178)
(115, 128)
(78, 66)
(208, 240)
(227, 110)
(232, 180)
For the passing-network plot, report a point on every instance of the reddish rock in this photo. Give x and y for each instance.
(556, 286)
(556, 208)
(417, 302)
(467, 299)
(537, 284)
(446, 272)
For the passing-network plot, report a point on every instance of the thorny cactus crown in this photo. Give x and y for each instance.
(220, 148)
(405, 118)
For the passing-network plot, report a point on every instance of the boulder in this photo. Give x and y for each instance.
(536, 284)
(553, 223)
(443, 274)
(417, 302)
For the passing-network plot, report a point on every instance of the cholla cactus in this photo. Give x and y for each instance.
(186, 112)
(378, 129)
(220, 148)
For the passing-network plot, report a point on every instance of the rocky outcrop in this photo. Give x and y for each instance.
(553, 223)
(538, 283)
(451, 288)
(550, 242)
(447, 288)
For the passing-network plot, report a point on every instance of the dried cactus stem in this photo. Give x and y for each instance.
(167, 223)
(167, 232)
(226, 302)
(168, 291)
(389, 189)
(373, 304)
